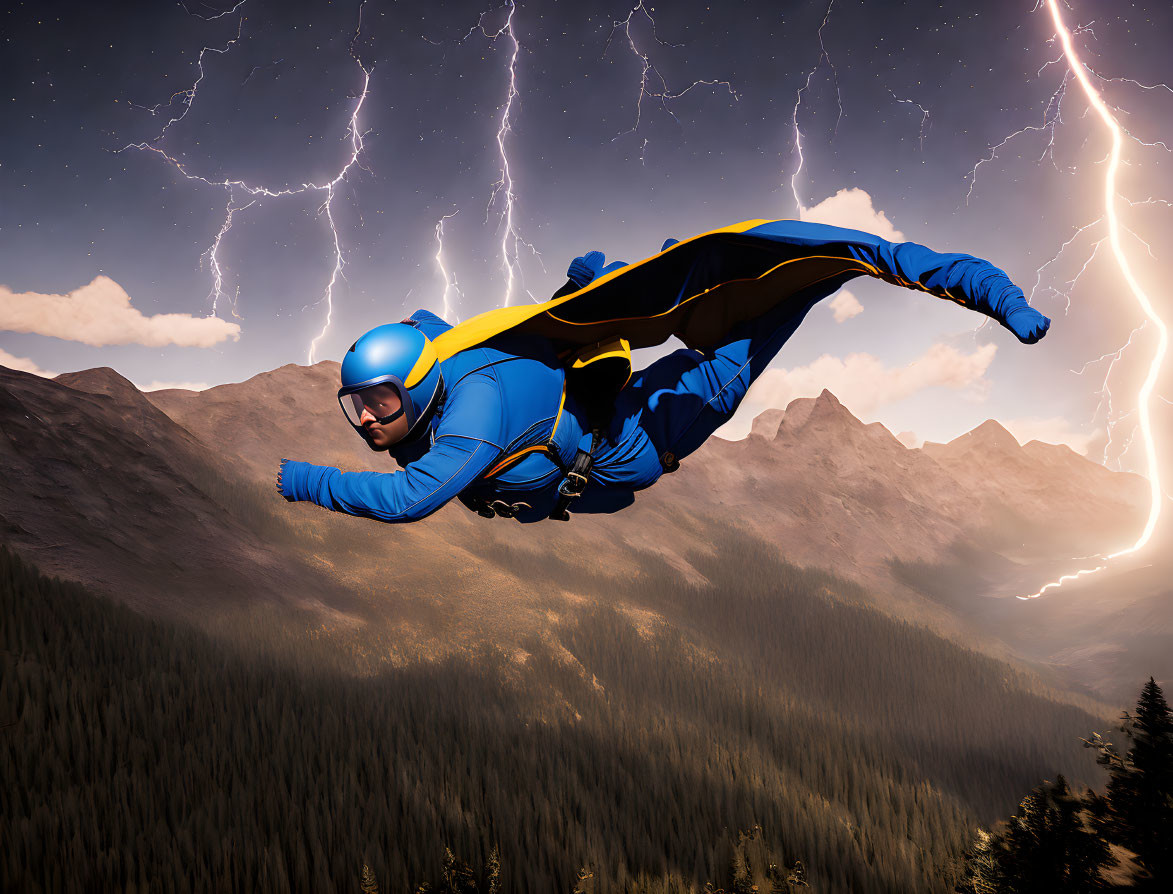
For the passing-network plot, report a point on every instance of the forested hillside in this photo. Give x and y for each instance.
(140, 754)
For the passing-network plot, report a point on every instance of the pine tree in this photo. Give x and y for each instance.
(493, 872)
(1138, 812)
(368, 884)
(739, 880)
(797, 876)
(980, 873)
(584, 881)
(1046, 846)
(782, 879)
(458, 877)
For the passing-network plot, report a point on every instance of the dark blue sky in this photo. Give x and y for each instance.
(79, 80)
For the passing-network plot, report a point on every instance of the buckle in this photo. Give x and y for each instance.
(575, 487)
(506, 510)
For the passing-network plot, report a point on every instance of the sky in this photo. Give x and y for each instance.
(179, 184)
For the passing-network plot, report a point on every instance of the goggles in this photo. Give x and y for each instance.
(384, 400)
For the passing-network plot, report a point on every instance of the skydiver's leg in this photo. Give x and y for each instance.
(689, 395)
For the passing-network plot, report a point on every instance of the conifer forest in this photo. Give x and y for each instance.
(142, 754)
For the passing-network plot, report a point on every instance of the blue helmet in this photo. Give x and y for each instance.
(399, 355)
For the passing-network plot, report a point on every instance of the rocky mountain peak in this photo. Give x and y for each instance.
(989, 436)
(824, 409)
(765, 424)
(99, 380)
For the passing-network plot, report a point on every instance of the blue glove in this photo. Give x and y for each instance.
(994, 294)
(291, 480)
(1027, 323)
(585, 268)
(1008, 306)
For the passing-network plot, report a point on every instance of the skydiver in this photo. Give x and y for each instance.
(502, 411)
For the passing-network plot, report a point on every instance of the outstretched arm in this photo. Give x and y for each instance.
(467, 443)
(970, 281)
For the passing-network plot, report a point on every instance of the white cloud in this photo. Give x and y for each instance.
(863, 383)
(845, 305)
(101, 314)
(162, 386)
(1052, 430)
(852, 208)
(24, 364)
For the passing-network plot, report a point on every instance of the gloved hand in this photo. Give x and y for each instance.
(1027, 323)
(1001, 299)
(286, 479)
(585, 268)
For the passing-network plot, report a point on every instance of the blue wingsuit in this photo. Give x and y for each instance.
(506, 429)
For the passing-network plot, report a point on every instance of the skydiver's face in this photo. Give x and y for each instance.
(379, 402)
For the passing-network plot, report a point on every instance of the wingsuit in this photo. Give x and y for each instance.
(504, 432)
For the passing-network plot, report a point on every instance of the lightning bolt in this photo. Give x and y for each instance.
(329, 189)
(1052, 116)
(187, 97)
(1084, 76)
(226, 12)
(1105, 392)
(1065, 291)
(924, 119)
(1127, 446)
(823, 54)
(449, 279)
(503, 193)
(510, 261)
(502, 189)
(213, 256)
(664, 94)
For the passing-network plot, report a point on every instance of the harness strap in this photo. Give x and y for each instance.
(500, 508)
(576, 478)
(514, 458)
(548, 448)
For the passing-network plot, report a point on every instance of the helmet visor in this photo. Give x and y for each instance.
(382, 403)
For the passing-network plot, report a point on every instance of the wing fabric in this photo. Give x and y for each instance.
(698, 289)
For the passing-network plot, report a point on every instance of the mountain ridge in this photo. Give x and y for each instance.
(826, 489)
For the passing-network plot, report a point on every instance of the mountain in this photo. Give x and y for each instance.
(528, 673)
(293, 412)
(292, 409)
(1066, 503)
(835, 492)
(101, 486)
(765, 424)
(942, 535)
